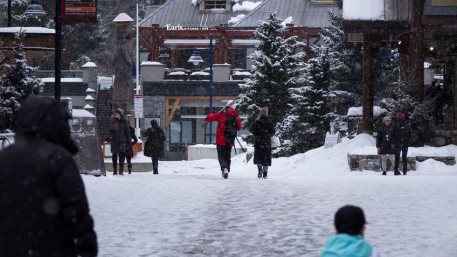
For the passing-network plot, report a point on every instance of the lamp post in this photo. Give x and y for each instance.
(197, 59)
(35, 9)
(137, 73)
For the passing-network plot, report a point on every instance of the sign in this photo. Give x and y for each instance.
(332, 139)
(138, 105)
(79, 11)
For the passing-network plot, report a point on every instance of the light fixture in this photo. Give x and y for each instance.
(35, 9)
(195, 58)
(432, 48)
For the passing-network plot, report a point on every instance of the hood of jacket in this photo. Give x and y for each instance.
(44, 118)
(342, 245)
(231, 111)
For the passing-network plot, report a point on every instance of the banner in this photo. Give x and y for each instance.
(79, 11)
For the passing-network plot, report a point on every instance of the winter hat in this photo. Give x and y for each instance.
(153, 123)
(120, 111)
(401, 116)
(387, 118)
(350, 219)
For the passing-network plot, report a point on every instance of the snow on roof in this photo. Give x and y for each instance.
(29, 30)
(88, 90)
(88, 107)
(358, 111)
(89, 98)
(200, 73)
(51, 80)
(245, 41)
(245, 6)
(81, 113)
(288, 20)
(363, 10)
(236, 19)
(177, 73)
(151, 63)
(89, 65)
(123, 17)
(243, 73)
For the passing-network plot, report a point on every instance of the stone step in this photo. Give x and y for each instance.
(373, 161)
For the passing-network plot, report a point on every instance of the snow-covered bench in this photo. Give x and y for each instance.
(366, 158)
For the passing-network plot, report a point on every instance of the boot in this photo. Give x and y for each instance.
(114, 170)
(259, 175)
(121, 170)
(384, 173)
(404, 172)
(129, 167)
(226, 173)
(397, 173)
(265, 175)
(156, 170)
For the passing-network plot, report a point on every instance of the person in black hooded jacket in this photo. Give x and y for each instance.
(385, 144)
(401, 134)
(43, 206)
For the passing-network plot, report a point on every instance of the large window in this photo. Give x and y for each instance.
(237, 58)
(182, 131)
(214, 4)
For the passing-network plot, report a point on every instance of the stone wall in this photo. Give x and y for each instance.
(444, 137)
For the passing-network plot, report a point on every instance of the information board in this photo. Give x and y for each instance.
(79, 11)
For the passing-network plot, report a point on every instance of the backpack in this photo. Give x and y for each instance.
(231, 128)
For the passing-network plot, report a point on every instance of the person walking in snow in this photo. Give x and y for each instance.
(228, 123)
(262, 129)
(384, 143)
(120, 138)
(43, 205)
(350, 227)
(401, 134)
(129, 151)
(154, 147)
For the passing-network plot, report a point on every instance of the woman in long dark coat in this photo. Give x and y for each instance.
(262, 129)
(120, 137)
(129, 152)
(154, 147)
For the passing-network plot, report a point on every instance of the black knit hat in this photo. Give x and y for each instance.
(350, 219)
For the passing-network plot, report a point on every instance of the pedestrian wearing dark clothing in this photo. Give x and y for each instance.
(154, 147)
(120, 138)
(262, 129)
(129, 152)
(384, 144)
(401, 134)
(224, 148)
(43, 205)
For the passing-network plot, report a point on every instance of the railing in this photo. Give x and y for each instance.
(65, 73)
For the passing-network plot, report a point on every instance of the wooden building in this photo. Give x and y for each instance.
(179, 96)
(424, 30)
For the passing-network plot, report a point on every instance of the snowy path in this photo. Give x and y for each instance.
(189, 211)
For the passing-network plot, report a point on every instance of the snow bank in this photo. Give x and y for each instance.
(358, 111)
(245, 6)
(363, 10)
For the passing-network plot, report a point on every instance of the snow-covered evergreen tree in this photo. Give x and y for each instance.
(275, 69)
(17, 83)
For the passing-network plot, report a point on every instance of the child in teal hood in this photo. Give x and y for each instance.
(348, 242)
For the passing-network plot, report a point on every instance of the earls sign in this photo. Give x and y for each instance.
(179, 27)
(79, 11)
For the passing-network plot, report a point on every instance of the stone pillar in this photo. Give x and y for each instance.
(221, 72)
(152, 72)
(123, 60)
(368, 85)
(90, 73)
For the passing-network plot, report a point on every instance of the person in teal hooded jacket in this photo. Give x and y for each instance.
(348, 242)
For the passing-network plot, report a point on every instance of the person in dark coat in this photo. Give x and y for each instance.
(223, 148)
(401, 134)
(129, 152)
(384, 143)
(154, 147)
(43, 205)
(262, 129)
(120, 138)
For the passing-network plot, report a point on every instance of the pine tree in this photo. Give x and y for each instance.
(17, 83)
(274, 69)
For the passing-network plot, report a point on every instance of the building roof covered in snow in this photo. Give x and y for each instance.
(301, 13)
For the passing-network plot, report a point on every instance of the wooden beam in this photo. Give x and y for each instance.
(171, 114)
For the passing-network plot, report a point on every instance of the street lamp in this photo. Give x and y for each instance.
(196, 59)
(34, 10)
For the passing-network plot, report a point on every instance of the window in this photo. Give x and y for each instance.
(444, 3)
(214, 4)
(182, 131)
(237, 58)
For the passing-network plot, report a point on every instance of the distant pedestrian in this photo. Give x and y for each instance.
(228, 123)
(401, 134)
(348, 241)
(120, 138)
(129, 152)
(384, 144)
(43, 205)
(262, 129)
(154, 146)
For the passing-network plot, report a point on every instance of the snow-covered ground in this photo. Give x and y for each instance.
(188, 210)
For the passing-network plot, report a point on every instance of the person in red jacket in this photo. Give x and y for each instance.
(224, 146)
